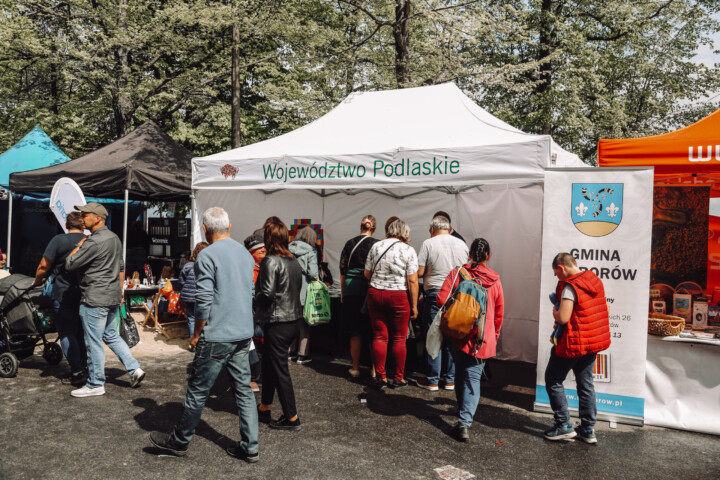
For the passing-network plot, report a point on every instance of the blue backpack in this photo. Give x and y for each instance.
(466, 307)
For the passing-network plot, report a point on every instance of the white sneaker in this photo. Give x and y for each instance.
(86, 391)
(137, 377)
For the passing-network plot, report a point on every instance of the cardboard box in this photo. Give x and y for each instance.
(682, 306)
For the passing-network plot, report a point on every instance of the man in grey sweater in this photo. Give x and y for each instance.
(222, 338)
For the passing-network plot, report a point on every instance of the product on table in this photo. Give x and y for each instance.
(658, 306)
(682, 306)
(700, 312)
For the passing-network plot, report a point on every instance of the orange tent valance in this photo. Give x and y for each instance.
(688, 155)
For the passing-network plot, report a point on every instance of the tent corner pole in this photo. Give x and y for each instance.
(9, 227)
(125, 222)
(192, 219)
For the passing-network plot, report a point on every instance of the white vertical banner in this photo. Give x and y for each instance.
(603, 217)
(63, 198)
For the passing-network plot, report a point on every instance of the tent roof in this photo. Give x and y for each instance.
(694, 149)
(34, 150)
(146, 162)
(370, 125)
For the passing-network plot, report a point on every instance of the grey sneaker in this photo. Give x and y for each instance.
(137, 376)
(560, 432)
(585, 435)
(88, 392)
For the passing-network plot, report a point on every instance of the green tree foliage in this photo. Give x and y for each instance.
(89, 71)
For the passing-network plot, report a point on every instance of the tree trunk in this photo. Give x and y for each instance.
(547, 44)
(54, 94)
(236, 135)
(123, 105)
(401, 34)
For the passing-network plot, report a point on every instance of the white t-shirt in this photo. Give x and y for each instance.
(569, 293)
(439, 255)
(394, 267)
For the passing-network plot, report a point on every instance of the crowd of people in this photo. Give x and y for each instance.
(233, 292)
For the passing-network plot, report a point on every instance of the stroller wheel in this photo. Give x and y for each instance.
(52, 353)
(8, 365)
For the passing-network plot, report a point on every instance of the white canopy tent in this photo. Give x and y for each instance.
(408, 153)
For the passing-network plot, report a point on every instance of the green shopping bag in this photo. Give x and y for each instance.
(317, 304)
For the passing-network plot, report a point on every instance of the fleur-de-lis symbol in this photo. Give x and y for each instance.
(612, 210)
(581, 209)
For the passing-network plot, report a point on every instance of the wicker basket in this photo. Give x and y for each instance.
(665, 325)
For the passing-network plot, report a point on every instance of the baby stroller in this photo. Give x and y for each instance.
(23, 324)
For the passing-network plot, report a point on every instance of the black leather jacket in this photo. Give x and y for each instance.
(277, 290)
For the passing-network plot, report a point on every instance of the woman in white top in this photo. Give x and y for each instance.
(391, 267)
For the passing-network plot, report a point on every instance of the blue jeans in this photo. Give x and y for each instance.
(100, 326)
(70, 331)
(467, 388)
(555, 373)
(430, 309)
(210, 358)
(190, 312)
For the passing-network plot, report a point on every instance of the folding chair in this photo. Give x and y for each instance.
(152, 314)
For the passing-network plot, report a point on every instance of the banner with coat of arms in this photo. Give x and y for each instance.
(603, 217)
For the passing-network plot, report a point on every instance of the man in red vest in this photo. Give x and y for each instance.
(584, 312)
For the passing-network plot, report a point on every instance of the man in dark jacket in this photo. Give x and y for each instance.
(222, 338)
(99, 259)
(584, 312)
(66, 297)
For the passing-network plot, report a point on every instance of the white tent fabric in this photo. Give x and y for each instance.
(408, 153)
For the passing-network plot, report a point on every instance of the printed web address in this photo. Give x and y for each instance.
(600, 401)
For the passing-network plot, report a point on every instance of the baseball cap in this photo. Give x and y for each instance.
(93, 207)
(253, 242)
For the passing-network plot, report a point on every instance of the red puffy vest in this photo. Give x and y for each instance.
(588, 330)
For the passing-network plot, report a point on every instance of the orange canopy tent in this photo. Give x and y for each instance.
(686, 157)
(690, 155)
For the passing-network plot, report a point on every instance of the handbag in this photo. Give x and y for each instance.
(355, 281)
(317, 304)
(364, 308)
(126, 327)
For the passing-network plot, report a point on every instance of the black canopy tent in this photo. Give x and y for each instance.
(146, 164)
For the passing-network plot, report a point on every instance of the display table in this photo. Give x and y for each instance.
(682, 384)
(144, 291)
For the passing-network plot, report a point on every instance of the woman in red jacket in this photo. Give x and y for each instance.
(469, 363)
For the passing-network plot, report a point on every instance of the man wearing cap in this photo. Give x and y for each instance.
(255, 244)
(98, 258)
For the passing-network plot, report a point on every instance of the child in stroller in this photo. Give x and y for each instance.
(23, 324)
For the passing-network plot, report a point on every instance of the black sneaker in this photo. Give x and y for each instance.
(380, 384)
(239, 453)
(460, 432)
(165, 442)
(283, 423)
(76, 379)
(264, 416)
(398, 384)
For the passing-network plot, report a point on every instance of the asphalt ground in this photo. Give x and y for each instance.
(47, 434)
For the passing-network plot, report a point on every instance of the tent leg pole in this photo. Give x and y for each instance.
(125, 222)
(192, 220)
(9, 233)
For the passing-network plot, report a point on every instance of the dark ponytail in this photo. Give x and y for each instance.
(479, 251)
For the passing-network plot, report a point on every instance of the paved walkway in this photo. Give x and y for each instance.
(349, 431)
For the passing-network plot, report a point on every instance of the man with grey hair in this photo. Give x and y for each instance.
(438, 255)
(222, 338)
